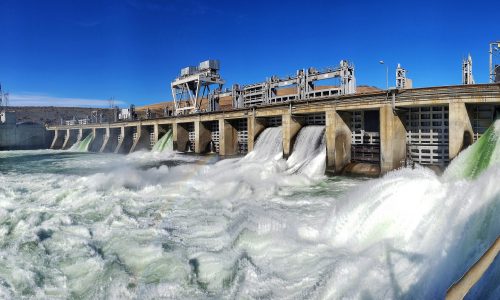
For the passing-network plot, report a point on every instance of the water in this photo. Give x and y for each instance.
(155, 225)
(83, 145)
(165, 143)
(309, 152)
(474, 160)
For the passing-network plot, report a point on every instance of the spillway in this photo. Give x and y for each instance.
(165, 143)
(245, 228)
(309, 152)
(83, 145)
(269, 145)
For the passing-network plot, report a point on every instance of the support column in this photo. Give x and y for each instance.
(228, 138)
(255, 127)
(392, 140)
(141, 140)
(58, 140)
(180, 137)
(460, 128)
(98, 137)
(202, 137)
(156, 131)
(338, 140)
(126, 141)
(291, 126)
(111, 140)
(105, 140)
(67, 139)
(79, 137)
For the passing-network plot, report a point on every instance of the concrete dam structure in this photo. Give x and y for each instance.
(384, 130)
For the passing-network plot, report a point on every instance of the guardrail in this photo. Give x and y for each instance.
(460, 288)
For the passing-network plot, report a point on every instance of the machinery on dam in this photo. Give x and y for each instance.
(192, 87)
(494, 61)
(402, 81)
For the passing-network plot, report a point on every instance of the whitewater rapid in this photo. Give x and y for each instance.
(161, 224)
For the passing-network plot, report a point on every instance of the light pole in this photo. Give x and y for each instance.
(386, 74)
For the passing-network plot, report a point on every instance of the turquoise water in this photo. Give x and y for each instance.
(155, 225)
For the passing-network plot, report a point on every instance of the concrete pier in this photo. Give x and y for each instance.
(202, 137)
(255, 127)
(98, 135)
(228, 138)
(125, 140)
(291, 125)
(140, 138)
(69, 138)
(110, 140)
(180, 137)
(58, 140)
(460, 132)
(392, 139)
(338, 140)
(429, 126)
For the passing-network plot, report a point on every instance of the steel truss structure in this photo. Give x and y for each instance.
(300, 87)
(193, 85)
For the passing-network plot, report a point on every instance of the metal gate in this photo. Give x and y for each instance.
(427, 135)
(214, 129)
(242, 135)
(482, 118)
(191, 136)
(365, 145)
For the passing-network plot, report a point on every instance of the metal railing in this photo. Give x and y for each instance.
(460, 288)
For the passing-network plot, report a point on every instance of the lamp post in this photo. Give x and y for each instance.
(386, 74)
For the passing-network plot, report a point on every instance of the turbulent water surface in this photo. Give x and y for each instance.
(158, 224)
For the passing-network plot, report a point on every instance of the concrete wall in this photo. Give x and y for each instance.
(24, 136)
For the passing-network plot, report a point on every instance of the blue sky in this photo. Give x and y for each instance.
(84, 52)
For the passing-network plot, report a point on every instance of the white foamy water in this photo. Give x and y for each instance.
(309, 152)
(165, 225)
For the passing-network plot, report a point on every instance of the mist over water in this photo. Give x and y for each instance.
(161, 224)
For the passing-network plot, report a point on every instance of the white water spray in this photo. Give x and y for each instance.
(240, 228)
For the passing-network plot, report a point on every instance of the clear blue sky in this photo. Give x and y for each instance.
(79, 52)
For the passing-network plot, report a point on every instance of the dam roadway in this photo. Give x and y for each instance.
(429, 126)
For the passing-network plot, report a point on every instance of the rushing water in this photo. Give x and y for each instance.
(165, 143)
(166, 225)
(82, 145)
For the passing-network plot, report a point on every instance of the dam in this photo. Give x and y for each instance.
(224, 196)
(381, 129)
